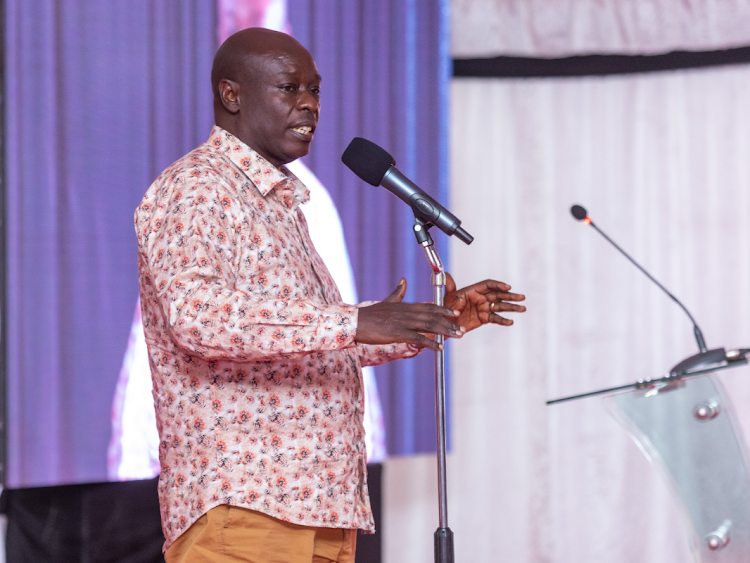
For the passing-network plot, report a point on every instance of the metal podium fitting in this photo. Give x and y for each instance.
(443, 535)
(685, 425)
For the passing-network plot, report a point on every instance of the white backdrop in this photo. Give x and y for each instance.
(662, 163)
(559, 28)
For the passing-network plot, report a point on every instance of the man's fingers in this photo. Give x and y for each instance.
(393, 321)
(487, 286)
(450, 284)
(439, 325)
(496, 296)
(506, 307)
(498, 320)
(425, 341)
(398, 293)
(428, 309)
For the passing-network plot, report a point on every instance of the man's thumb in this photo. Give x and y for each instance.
(398, 293)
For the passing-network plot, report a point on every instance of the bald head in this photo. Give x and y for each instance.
(267, 93)
(239, 56)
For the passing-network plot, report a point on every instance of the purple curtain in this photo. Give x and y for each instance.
(101, 96)
(385, 67)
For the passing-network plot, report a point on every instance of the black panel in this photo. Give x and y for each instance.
(370, 546)
(113, 523)
(95, 523)
(595, 65)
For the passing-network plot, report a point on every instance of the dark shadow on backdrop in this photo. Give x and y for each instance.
(595, 65)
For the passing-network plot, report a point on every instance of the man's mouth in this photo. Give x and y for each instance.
(304, 130)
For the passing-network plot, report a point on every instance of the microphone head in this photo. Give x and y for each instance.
(367, 160)
(578, 212)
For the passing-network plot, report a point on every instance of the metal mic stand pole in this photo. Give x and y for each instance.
(443, 535)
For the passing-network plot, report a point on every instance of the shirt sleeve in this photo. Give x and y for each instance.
(192, 242)
(376, 354)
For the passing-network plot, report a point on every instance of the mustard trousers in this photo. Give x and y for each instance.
(229, 534)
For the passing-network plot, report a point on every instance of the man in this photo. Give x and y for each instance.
(255, 360)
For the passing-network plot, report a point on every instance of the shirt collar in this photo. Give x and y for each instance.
(264, 175)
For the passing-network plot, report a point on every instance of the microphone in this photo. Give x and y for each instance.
(378, 168)
(580, 214)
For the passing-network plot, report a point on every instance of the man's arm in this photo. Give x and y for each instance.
(192, 248)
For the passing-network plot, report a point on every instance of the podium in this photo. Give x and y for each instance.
(685, 425)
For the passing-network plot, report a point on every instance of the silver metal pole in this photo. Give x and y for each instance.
(443, 537)
(440, 417)
(438, 283)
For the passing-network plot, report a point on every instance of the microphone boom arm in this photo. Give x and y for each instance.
(698, 334)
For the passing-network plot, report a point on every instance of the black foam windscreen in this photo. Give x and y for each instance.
(578, 212)
(367, 160)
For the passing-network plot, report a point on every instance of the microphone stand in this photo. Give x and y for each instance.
(443, 535)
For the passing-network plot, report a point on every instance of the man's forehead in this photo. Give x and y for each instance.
(286, 63)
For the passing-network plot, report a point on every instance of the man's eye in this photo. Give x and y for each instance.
(315, 91)
(289, 88)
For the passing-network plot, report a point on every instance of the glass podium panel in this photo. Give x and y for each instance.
(687, 428)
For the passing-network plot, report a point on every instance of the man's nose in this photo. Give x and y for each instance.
(309, 102)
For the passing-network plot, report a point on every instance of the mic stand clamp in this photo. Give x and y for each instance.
(443, 535)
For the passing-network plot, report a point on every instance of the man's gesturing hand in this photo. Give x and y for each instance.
(391, 321)
(480, 303)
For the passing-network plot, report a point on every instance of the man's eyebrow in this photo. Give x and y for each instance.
(293, 73)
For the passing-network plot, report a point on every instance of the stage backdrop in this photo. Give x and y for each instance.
(100, 98)
(661, 162)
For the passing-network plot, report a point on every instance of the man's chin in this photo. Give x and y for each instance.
(298, 152)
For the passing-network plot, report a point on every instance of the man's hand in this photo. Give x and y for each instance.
(391, 321)
(480, 303)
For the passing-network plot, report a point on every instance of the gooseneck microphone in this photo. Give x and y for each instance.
(376, 167)
(580, 214)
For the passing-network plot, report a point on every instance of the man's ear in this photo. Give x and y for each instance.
(229, 94)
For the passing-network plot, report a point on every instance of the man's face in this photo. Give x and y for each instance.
(280, 105)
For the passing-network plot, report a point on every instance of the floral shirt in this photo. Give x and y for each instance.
(257, 377)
